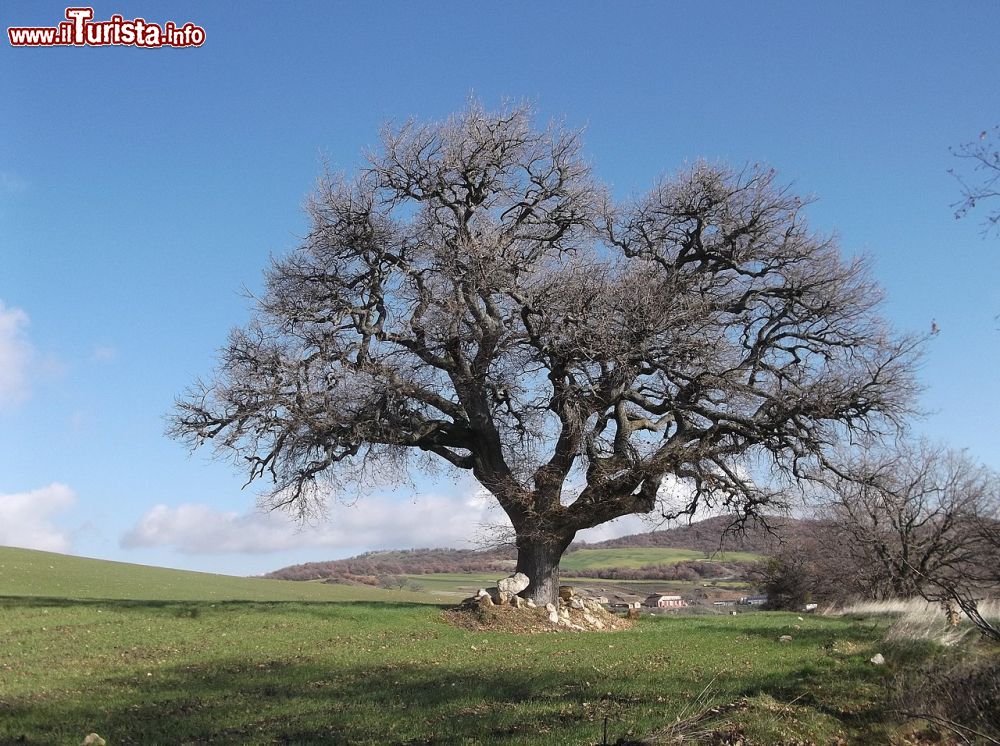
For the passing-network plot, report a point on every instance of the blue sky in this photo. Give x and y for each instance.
(140, 189)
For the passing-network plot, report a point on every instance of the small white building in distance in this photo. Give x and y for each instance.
(665, 602)
(624, 602)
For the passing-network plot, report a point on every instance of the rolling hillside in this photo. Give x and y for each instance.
(711, 535)
(705, 540)
(26, 572)
(371, 566)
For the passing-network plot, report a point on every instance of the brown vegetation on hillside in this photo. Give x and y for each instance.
(402, 562)
(715, 534)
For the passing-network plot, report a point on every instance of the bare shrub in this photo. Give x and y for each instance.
(919, 520)
(958, 700)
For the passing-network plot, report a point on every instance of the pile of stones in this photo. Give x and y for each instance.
(573, 611)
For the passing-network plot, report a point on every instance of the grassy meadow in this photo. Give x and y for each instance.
(453, 585)
(97, 646)
(26, 572)
(576, 565)
(634, 557)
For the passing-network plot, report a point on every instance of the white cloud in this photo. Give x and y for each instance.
(104, 354)
(630, 524)
(16, 354)
(673, 497)
(375, 522)
(26, 518)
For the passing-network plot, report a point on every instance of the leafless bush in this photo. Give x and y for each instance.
(920, 520)
(956, 698)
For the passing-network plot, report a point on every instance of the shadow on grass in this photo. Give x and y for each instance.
(233, 701)
(435, 695)
(149, 604)
(852, 697)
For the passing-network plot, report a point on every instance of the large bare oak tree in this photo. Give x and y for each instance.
(474, 295)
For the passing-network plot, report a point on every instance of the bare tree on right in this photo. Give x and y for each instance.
(924, 521)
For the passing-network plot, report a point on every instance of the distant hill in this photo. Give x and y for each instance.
(684, 545)
(370, 566)
(710, 535)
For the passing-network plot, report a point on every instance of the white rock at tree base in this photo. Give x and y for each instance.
(514, 584)
(554, 616)
(550, 607)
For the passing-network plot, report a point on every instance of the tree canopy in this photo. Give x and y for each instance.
(475, 296)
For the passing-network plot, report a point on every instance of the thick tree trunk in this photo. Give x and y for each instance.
(538, 558)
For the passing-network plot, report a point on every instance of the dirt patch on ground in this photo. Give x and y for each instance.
(503, 618)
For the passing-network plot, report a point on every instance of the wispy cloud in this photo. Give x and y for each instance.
(26, 518)
(16, 355)
(104, 354)
(11, 183)
(375, 521)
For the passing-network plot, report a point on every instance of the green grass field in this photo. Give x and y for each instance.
(96, 646)
(577, 564)
(450, 585)
(444, 587)
(592, 559)
(24, 572)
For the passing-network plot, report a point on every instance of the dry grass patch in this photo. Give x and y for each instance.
(920, 620)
